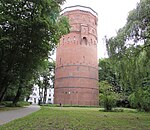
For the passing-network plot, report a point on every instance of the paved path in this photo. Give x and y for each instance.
(7, 116)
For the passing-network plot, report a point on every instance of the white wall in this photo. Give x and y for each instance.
(35, 96)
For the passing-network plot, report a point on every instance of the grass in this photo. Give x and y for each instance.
(7, 105)
(8, 108)
(74, 118)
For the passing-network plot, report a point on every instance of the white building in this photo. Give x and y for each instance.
(38, 94)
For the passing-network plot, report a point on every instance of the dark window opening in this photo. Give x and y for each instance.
(68, 39)
(84, 40)
(91, 41)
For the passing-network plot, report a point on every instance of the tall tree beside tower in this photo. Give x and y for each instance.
(129, 59)
(29, 31)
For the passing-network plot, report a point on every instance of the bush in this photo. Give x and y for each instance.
(108, 101)
(50, 105)
(10, 104)
(6, 103)
(22, 103)
(108, 97)
(118, 110)
(140, 100)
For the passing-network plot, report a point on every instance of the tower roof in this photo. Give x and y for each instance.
(79, 7)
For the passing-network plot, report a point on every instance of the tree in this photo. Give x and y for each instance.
(45, 79)
(29, 31)
(138, 22)
(107, 73)
(130, 58)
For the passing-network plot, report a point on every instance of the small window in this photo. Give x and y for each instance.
(34, 100)
(34, 94)
(84, 40)
(68, 39)
(35, 89)
(74, 38)
(91, 41)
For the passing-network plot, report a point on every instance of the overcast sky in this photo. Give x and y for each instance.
(112, 15)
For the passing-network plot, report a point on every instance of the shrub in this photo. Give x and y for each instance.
(19, 104)
(22, 103)
(107, 96)
(6, 103)
(118, 110)
(140, 99)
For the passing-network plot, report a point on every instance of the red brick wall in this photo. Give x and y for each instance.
(76, 74)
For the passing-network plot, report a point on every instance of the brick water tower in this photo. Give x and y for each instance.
(76, 73)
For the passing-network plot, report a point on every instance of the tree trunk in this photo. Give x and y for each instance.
(45, 95)
(2, 94)
(19, 92)
(3, 89)
(39, 97)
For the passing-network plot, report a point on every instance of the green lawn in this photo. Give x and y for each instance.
(8, 108)
(69, 118)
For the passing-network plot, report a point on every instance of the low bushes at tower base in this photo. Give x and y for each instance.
(10, 104)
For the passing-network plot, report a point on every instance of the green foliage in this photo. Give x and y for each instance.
(132, 71)
(118, 110)
(107, 96)
(107, 72)
(141, 99)
(10, 104)
(45, 78)
(138, 21)
(6, 103)
(22, 103)
(130, 59)
(29, 32)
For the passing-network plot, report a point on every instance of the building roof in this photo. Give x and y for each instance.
(79, 7)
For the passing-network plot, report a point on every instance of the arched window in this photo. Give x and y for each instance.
(84, 40)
